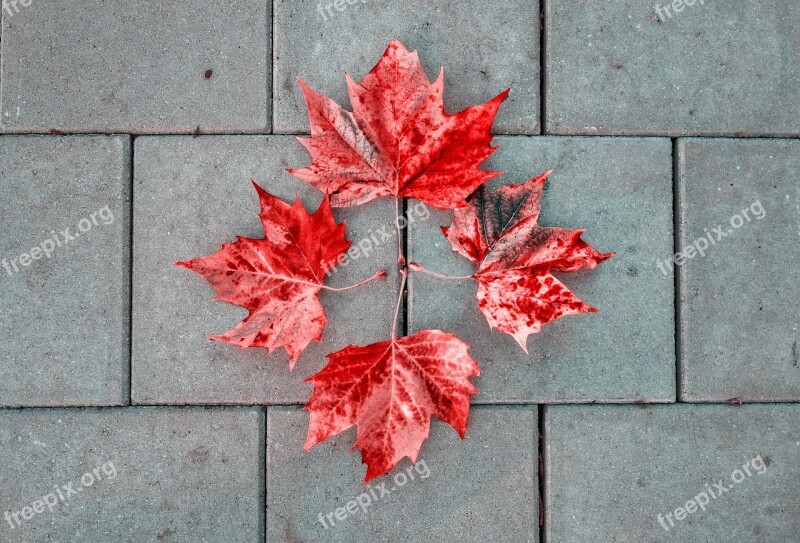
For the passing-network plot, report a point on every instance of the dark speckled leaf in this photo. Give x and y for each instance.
(514, 256)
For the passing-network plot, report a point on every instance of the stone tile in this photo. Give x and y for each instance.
(65, 250)
(484, 47)
(191, 195)
(739, 309)
(137, 475)
(620, 191)
(722, 67)
(116, 66)
(610, 471)
(483, 488)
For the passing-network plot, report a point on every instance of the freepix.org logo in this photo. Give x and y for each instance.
(62, 493)
(57, 240)
(12, 6)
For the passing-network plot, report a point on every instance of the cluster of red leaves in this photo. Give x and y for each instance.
(398, 141)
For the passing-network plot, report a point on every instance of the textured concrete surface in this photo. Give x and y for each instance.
(713, 67)
(603, 485)
(206, 439)
(462, 490)
(484, 47)
(153, 475)
(620, 192)
(139, 67)
(65, 253)
(739, 303)
(191, 195)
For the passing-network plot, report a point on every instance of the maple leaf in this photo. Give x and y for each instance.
(277, 278)
(398, 141)
(389, 390)
(514, 256)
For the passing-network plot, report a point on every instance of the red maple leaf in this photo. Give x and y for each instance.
(389, 390)
(398, 141)
(499, 232)
(277, 278)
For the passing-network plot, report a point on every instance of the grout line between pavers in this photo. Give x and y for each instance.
(273, 87)
(263, 429)
(542, 469)
(131, 151)
(542, 67)
(271, 84)
(135, 407)
(1, 70)
(677, 289)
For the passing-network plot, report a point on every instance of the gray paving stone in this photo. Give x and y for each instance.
(191, 195)
(64, 280)
(721, 67)
(610, 471)
(161, 475)
(484, 47)
(739, 302)
(482, 488)
(116, 66)
(620, 191)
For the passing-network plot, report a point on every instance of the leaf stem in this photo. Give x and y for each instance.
(404, 273)
(416, 267)
(400, 258)
(378, 275)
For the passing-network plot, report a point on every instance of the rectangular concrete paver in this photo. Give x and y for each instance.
(713, 67)
(65, 246)
(739, 297)
(321, 40)
(143, 67)
(482, 488)
(611, 471)
(620, 192)
(190, 196)
(133, 475)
